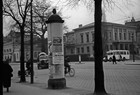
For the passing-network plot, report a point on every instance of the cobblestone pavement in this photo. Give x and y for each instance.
(120, 79)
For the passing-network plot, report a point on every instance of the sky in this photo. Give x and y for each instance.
(81, 15)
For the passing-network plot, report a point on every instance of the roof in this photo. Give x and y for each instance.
(85, 26)
(107, 23)
(54, 18)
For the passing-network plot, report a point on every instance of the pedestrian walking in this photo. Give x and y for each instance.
(28, 65)
(7, 74)
(120, 57)
(114, 59)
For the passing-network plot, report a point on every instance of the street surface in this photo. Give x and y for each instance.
(120, 79)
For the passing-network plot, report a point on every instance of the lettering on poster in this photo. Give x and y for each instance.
(58, 58)
(57, 40)
(57, 48)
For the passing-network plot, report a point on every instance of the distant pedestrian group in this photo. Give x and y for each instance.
(7, 74)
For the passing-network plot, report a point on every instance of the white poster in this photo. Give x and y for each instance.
(58, 58)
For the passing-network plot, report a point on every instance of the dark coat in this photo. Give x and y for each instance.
(28, 64)
(66, 61)
(7, 74)
(114, 58)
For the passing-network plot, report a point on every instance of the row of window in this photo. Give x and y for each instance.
(16, 56)
(83, 49)
(118, 52)
(119, 34)
(120, 46)
(7, 50)
(87, 35)
(122, 34)
(35, 54)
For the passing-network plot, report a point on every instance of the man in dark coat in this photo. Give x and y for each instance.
(114, 60)
(66, 64)
(28, 65)
(7, 74)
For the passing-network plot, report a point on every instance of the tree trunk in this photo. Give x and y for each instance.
(31, 42)
(42, 44)
(104, 37)
(22, 68)
(1, 48)
(99, 74)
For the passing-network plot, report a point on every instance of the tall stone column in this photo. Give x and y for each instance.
(56, 52)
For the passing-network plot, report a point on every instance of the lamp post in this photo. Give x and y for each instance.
(31, 41)
(133, 52)
(55, 52)
(13, 38)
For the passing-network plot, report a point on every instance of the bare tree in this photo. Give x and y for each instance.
(18, 10)
(98, 46)
(41, 11)
(98, 50)
(1, 47)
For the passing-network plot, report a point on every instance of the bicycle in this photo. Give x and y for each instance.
(27, 73)
(71, 72)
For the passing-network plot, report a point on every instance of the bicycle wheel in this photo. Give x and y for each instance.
(72, 72)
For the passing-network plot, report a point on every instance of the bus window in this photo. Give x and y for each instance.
(117, 53)
(124, 53)
(121, 52)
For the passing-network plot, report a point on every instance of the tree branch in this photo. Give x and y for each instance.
(19, 8)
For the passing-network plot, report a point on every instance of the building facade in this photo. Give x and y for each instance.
(135, 23)
(114, 36)
(12, 45)
(120, 36)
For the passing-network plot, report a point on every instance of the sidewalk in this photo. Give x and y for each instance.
(136, 62)
(26, 89)
(120, 79)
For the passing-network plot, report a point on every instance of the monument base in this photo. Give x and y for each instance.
(57, 83)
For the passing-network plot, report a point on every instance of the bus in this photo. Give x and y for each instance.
(121, 55)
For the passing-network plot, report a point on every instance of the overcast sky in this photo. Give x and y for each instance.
(82, 15)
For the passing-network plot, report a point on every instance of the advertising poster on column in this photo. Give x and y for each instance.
(58, 58)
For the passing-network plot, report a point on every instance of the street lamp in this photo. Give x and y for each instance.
(133, 47)
(13, 43)
(31, 42)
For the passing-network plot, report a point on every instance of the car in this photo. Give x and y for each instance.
(105, 59)
(43, 64)
(43, 61)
